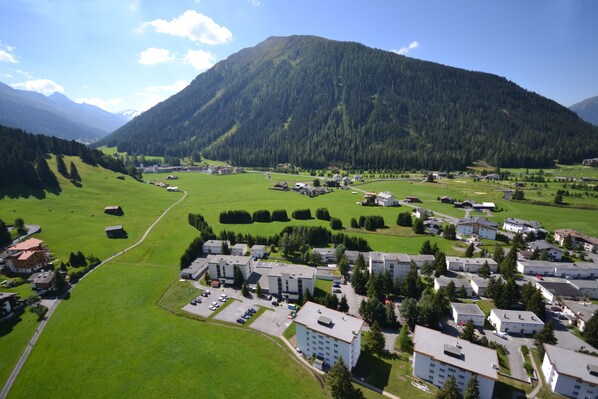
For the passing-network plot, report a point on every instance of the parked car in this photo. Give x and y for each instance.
(539, 277)
(207, 292)
(197, 300)
(204, 294)
(245, 316)
(222, 299)
(500, 334)
(336, 285)
(240, 321)
(251, 311)
(556, 309)
(212, 307)
(267, 297)
(292, 306)
(193, 302)
(275, 303)
(336, 291)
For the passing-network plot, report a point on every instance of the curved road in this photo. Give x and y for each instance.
(42, 325)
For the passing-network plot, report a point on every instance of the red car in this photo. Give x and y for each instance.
(539, 277)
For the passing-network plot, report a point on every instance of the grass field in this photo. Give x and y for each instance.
(111, 339)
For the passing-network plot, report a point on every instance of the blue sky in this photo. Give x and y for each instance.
(121, 54)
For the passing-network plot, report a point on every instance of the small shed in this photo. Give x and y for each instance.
(114, 210)
(115, 231)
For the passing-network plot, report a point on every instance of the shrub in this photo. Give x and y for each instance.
(280, 215)
(322, 214)
(301, 214)
(336, 224)
(262, 216)
(238, 217)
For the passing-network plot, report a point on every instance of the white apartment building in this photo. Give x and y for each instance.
(291, 281)
(463, 312)
(521, 226)
(436, 356)
(442, 282)
(569, 373)
(477, 226)
(214, 247)
(222, 267)
(239, 249)
(577, 270)
(258, 251)
(515, 321)
(386, 199)
(328, 334)
(398, 265)
(471, 265)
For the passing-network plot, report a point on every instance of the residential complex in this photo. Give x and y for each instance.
(398, 265)
(442, 282)
(222, 267)
(471, 265)
(521, 226)
(515, 321)
(569, 373)
(578, 240)
(579, 312)
(436, 356)
(463, 312)
(576, 270)
(477, 227)
(328, 334)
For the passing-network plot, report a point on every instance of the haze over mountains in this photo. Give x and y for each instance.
(587, 110)
(56, 115)
(315, 102)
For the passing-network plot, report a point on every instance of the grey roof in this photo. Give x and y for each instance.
(41, 277)
(538, 264)
(230, 259)
(580, 284)
(471, 261)
(212, 243)
(480, 220)
(398, 257)
(583, 310)
(572, 363)
(560, 289)
(467, 308)
(114, 228)
(257, 247)
(519, 316)
(195, 266)
(240, 245)
(5, 295)
(541, 245)
(521, 222)
(422, 258)
(297, 271)
(341, 326)
(459, 282)
(324, 251)
(474, 358)
(260, 275)
(483, 282)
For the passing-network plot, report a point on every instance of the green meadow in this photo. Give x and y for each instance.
(115, 336)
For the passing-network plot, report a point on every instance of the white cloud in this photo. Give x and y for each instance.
(8, 76)
(199, 59)
(26, 74)
(44, 86)
(155, 94)
(111, 105)
(154, 55)
(134, 5)
(192, 25)
(5, 56)
(255, 3)
(405, 50)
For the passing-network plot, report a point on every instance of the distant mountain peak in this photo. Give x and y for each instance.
(587, 110)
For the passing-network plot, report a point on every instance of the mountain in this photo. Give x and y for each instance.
(315, 102)
(55, 115)
(587, 110)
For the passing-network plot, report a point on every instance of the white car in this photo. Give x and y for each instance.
(222, 299)
(212, 307)
(501, 334)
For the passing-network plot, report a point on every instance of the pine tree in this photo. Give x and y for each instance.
(545, 336)
(374, 339)
(340, 382)
(468, 333)
(244, 289)
(238, 277)
(409, 311)
(343, 305)
(469, 251)
(484, 270)
(404, 341)
(426, 248)
(472, 390)
(258, 290)
(4, 234)
(74, 173)
(418, 227)
(590, 332)
(449, 389)
(307, 297)
(568, 242)
(498, 255)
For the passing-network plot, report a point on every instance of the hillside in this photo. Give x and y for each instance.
(587, 110)
(55, 115)
(313, 102)
(23, 159)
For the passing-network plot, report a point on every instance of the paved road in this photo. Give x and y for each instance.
(42, 325)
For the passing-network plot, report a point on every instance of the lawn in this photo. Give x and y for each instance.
(393, 375)
(323, 287)
(290, 331)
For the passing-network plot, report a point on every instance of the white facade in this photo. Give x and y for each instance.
(579, 240)
(214, 247)
(471, 265)
(579, 270)
(291, 281)
(588, 288)
(239, 249)
(258, 250)
(442, 282)
(436, 356)
(398, 265)
(481, 227)
(386, 199)
(521, 226)
(536, 267)
(570, 373)
(463, 312)
(326, 254)
(515, 321)
(195, 269)
(222, 267)
(328, 334)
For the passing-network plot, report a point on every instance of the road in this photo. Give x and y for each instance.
(17, 369)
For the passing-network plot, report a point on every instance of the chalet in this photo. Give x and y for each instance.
(43, 282)
(440, 175)
(357, 178)
(578, 240)
(28, 256)
(9, 302)
(412, 199)
(422, 213)
(540, 246)
(521, 226)
(481, 227)
(113, 210)
(492, 176)
(464, 204)
(115, 231)
(445, 199)
(171, 177)
(386, 199)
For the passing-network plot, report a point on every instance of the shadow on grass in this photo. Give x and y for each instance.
(373, 370)
(502, 390)
(8, 325)
(21, 191)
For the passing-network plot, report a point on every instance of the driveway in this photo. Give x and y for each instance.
(353, 299)
(272, 322)
(234, 310)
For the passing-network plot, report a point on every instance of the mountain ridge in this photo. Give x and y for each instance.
(314, 102)
(587, 110)
(55, 115)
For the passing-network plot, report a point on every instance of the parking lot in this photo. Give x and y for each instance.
(234, 310)
(272, 322)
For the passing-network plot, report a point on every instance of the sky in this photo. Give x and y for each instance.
(132, 54)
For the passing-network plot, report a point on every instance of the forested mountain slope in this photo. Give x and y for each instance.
(315, 102)
(587, 110)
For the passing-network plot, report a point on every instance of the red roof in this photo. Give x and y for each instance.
(27, 245)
